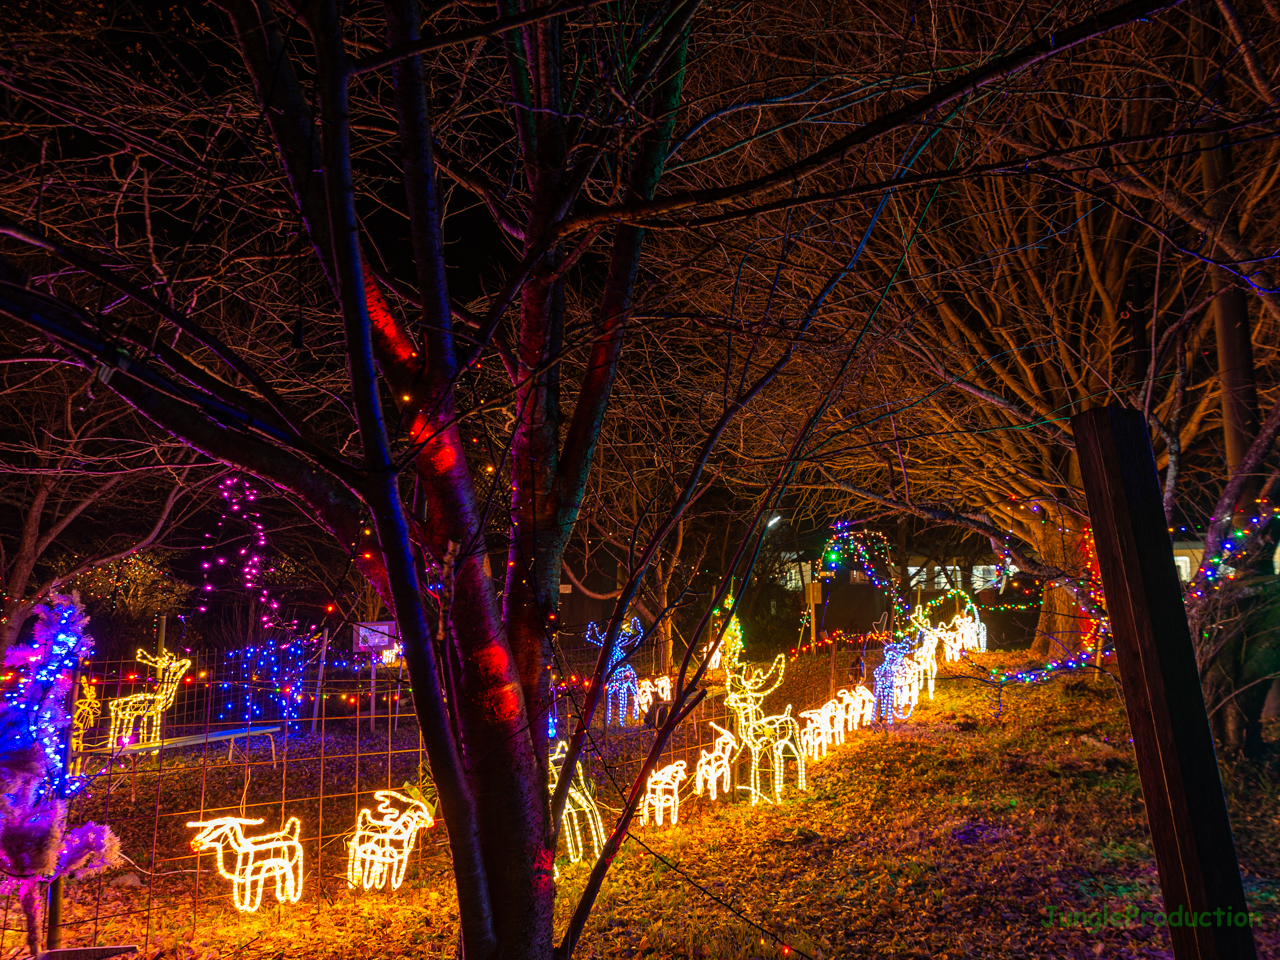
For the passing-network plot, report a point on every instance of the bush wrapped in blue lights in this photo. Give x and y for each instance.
(35, 845)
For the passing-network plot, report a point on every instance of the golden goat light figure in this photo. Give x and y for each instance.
(275, 856)
(663, 793)
(381, 846)
(859, 707)
(579, 808)
(715, 766)
(150, 706)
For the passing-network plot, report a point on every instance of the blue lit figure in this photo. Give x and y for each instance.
(889, 676)
(621, 683)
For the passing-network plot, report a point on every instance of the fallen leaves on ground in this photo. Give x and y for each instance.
(958, 834)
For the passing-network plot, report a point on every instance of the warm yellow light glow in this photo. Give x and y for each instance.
(273, 855)
(662, 793)
(774, 736)
(648, 691)
(87, 711)
(965, 631)
(150, 707)
(859, 707)
(579, 806)
(826, 728)
(381, 846)
(644, 696)
(714, 766)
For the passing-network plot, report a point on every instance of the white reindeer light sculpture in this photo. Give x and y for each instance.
(150, 707)
(825, 729)
(859, 707)
(773, 737)
(644, 696)
(715, 767)
(662, 793)
(275, 856)
(380, 848)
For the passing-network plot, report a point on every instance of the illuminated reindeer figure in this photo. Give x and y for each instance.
(620, 678)
(644, 696)
(651, 690)
(150, 707)
(777, 735)
(662, 793)
(859, 707)
(380, 848)
(87, 711)
(714, 767)
(578, 804)
(273, 855)
(898, 680)
(966, 631)
(825, 728)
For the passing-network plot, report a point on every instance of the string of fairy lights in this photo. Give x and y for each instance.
(871, 552)
(1237, 547)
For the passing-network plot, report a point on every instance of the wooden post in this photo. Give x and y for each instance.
(1186, 809)
(813, 596)
(373, 690)
(315, 707)
(831, 684)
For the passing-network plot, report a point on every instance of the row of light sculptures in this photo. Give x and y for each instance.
(377, 852)
(909, 667)
(828, 724)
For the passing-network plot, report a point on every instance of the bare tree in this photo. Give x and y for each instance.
(1080, 246)
(260, 266)
(85, 482)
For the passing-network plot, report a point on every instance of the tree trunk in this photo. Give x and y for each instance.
(1062, 627)
(1231, 307)
(32, 900)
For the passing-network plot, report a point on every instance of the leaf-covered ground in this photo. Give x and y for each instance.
(958, 834)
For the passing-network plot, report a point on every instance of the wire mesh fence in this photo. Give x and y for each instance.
(272, 734)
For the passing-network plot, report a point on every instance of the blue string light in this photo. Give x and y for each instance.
(45, 675)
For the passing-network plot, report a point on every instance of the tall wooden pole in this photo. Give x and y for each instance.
(315, 706)
(1186, 809)
(831, 670)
